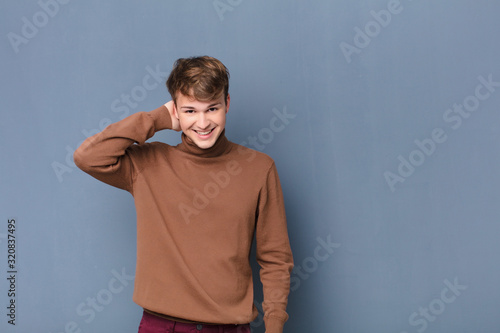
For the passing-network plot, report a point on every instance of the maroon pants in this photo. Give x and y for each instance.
(154, 324)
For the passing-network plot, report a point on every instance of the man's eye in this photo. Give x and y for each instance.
(189, 111)
(212, 109)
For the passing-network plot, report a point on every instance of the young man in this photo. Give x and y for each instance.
(199, 206)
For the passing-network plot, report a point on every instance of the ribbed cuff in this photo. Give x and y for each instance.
(273, 324)
(161, 118)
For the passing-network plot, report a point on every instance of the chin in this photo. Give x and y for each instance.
(204, 144)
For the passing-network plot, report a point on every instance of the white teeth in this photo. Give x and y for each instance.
(204, 133)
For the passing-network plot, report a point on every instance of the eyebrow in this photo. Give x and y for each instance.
(192, 107)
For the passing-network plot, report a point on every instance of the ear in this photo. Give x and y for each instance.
(228, 101)
(174, 110)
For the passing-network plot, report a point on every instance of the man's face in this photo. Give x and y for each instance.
(202, 122)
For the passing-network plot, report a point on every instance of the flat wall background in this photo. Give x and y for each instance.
(387, 149)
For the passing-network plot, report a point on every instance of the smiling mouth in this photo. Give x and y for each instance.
(205, 132)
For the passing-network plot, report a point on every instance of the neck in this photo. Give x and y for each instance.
(219, 148)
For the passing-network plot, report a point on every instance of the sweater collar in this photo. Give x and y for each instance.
(219, 148)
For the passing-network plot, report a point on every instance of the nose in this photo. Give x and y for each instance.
(202, 121)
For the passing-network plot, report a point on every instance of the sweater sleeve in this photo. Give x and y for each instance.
(105, 155)
(273, 253)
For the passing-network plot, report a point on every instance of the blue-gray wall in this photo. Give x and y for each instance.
(383, 118)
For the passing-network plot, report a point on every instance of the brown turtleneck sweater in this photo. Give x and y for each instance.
(198, 211)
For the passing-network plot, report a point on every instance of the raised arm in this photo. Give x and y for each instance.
(104, 155)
